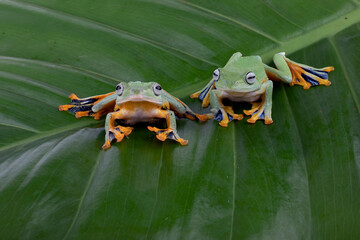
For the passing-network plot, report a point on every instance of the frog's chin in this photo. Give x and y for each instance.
(139, 98)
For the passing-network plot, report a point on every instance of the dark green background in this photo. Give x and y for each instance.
(295, 179)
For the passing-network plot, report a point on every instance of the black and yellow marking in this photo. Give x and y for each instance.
(83, 107)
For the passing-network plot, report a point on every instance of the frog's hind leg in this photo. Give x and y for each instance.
(113, 132)
(307, 76)
(230, 111)
(257, 112)
(170, 132)
(223, 114)
(82, 107)
(298, 74)
(262, 109)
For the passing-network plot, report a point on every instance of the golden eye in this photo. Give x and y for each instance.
(216, 74)
(119, 89)
(250, 77)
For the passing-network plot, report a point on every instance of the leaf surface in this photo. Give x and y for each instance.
(295, 179)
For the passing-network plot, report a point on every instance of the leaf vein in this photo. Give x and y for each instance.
(231, 20)
(302, 154)
(86, 22)
(29, 129)
(234, 181)
(347, 78)
(83, 196)
(46, 134)
(156, 193)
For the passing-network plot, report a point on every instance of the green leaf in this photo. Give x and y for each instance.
(295, 179)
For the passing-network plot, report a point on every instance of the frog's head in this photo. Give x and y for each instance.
(139, 92)
(240, 74)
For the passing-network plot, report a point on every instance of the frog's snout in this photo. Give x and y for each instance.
(136, 91)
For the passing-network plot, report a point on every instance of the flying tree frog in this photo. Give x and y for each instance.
(133, 102)
(247, 79)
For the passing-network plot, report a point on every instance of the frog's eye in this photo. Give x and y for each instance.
(119, 89)
(216, 74)
(250, 77)
(157, 89)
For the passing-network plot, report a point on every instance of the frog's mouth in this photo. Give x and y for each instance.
(248, 90)
(139, 98)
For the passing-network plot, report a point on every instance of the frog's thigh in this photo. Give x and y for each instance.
(282, 73)
(284, 70)
(218, 108)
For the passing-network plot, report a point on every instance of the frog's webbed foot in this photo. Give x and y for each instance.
(83, 107)
(230, 112)
(195, 116)
(77, 106)
(307, 76)
(225, 115)
(257, 112)
(169, 133)
(118, 133)
(204, 117)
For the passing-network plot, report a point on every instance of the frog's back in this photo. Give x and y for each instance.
(243, 65)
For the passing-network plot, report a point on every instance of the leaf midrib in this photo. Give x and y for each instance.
(64, 16)
(315, 35)
(77, 125)
(312, 36)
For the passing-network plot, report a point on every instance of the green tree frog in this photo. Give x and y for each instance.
(133, 102)
(246, 79)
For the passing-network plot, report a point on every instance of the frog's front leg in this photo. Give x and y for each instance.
(170, 132)
(204, 94)
(114, 132)
(222, 113)
(262, 109)
(181, 109)
(297, 74)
